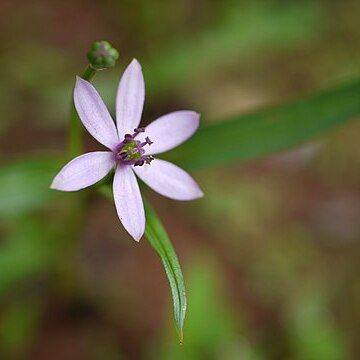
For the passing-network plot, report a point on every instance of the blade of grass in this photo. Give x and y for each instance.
(160, 242)
(265, 132)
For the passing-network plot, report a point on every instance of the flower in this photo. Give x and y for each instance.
(132, 149)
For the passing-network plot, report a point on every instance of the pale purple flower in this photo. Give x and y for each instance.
(132, 149)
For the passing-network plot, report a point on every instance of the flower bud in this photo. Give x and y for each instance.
(102, 55)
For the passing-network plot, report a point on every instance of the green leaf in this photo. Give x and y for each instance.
(159, 240)
(268, 131)
(24, 185)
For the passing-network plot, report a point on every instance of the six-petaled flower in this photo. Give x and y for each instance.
(131, 149)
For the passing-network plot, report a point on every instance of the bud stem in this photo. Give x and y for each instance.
(101, 56)
(89, 73)
(75, 145)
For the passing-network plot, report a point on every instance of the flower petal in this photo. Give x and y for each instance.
(83, 171)
(128, 202)
(170, 130)
(169, 180)
(130, 99)
(94, 114)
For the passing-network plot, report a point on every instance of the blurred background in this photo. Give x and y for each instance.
(270, 255)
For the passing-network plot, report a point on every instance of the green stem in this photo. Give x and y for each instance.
(75, 146)
(89, 73)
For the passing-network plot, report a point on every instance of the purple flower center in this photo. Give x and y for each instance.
(131, 151)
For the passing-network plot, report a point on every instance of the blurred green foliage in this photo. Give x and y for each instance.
(239, 32)
(284, 231)
(17, 328)
(25, 185)
(314, 334)
(24, 253)
(218, 334)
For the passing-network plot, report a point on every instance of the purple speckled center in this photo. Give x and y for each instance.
(131, 151)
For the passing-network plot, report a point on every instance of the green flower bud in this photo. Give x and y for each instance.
(102, 55)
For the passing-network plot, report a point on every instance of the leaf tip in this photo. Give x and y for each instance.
(181, 336)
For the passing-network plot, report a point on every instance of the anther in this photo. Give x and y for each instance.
(128, 139)
(148, 159)
(146, 142)
(139, 163)
(149, 142)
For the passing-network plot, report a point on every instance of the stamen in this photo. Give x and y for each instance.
(146, 142)
(149, 160)
(147, 139)
(131, 152)
(127, 139)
